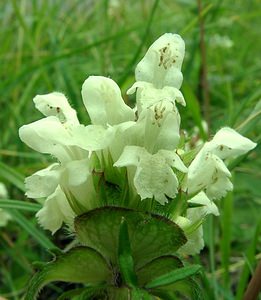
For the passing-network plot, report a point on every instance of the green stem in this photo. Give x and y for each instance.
(212, 254)
(225, 247)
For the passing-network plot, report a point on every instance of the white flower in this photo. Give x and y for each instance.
(192, 223)
(4, 215)
(103, 101)
(70, 184)
(53, 134)
(159, 118)
(60, 133)
(228, 143)
(208, 207)
(56, 104)
(159, 77)
(55, 211)
(208, 172)
(162, 63)
(154, 133)
(47, 135)
(154, 176)
(148, 96)
(44, 182)
(195, 241)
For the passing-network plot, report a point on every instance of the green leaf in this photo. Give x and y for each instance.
(138, 294)
(184, 289)
(70, 294)
(165, 265)
(174, 276)
(157, 267)
(92, 292)
(18, 204)
(79, 265)
(118, 293)
(150, 235)
(125, 258)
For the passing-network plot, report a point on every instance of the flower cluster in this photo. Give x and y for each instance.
(129, 157)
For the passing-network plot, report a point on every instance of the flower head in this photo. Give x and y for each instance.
(129, 157)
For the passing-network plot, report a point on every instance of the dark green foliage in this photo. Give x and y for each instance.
(119, 268)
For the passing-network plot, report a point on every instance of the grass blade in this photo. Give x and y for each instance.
(250, 259)
(135, 57)
(35, 233)
(18, 204)
(225, 247)
(194, 109)
(174, 276)
(12, 176)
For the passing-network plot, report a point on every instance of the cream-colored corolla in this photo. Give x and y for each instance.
(208, 171)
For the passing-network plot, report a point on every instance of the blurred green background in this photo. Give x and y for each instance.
(55, 45)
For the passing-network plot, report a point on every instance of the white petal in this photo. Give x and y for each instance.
(174, 160)
(77, 184)
(162, 63)
(228, 143)
(47, 135)
(155, 133)
(200, 172)
(56, 104)
(55, 211)
(148, 96)
(162, 128)
(219, 188)
(194, 244)
(154, 176)
(103, 101)
(130, 156)
(77, 172)
(205, 170)
(43, 183)
(92, 137)
(120, 139)
(197, 213)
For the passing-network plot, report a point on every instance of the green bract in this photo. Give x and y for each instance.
(125, 254)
